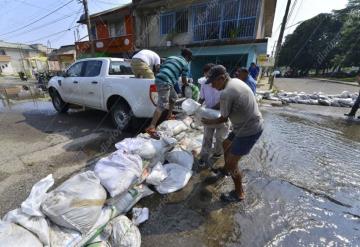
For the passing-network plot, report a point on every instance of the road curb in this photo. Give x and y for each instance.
(335, 81)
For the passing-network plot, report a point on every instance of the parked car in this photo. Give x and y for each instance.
(105, 84)
(291, 74)
(277, 73)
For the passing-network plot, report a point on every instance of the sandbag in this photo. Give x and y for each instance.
(146, 148)
(31, 205)
(207, 113)
(36, 225)
(190, 106)
(180, 157)
(119, 171)
(12, 235)
(140, 215)
(157, 175)
(177, 179)
(171, 128)
(124, 202)
(76, 204)
(123, 232)
(60, 236)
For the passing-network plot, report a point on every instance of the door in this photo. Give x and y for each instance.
(90, 84)
(71, 84)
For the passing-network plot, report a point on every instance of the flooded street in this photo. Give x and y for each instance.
(302, 183)
(302, 179)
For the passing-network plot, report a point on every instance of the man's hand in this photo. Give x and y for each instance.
(207, 121)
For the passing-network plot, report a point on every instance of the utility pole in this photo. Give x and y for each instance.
(279, 41)
(91, 40)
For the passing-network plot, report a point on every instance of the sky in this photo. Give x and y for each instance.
(52, 30)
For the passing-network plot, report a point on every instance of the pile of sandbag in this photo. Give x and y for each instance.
(345, 99)
(88, 208)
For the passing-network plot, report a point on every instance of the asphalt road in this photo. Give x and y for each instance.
(312, 85)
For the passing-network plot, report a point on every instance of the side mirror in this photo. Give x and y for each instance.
(64, 74)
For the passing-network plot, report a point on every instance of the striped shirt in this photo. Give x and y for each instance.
(171, 70)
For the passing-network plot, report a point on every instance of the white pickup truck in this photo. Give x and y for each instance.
(105, 84)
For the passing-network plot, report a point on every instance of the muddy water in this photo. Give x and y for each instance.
(303, 189)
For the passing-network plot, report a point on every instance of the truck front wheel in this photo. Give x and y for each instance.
(121, 115)
(59, 105)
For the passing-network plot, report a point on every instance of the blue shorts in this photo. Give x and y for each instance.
(242, 145)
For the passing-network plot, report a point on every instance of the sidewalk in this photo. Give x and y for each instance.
(334, 81)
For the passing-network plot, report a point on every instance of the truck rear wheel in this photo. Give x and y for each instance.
(59, 105)
(121, 115)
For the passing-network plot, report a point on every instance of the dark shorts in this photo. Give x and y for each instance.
(242, 145)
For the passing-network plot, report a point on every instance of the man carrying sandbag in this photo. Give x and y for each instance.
(237, 103)
(143, 63)
(211, 97)
(170, 71)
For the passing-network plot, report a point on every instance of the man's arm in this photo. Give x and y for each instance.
(184, 80)
(214, 121)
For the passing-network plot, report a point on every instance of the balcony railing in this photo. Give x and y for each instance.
(229, 19)
(110, 45)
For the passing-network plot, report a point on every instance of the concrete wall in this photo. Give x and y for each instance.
(6, 68)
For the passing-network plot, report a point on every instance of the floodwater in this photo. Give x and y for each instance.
(303, 189)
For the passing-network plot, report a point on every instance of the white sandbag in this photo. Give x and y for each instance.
(131, 145)
(140, 215)
(123, 232)
(119, 171)
(36, 225)
(157, 175)
(123, 203)
(346, 102)
(171, 128)
(146, 148)
(12, 235)
(345, 94)
(190, 106)
(177, 179)
(192, 144)
(31, 205)
(187, 121)
(207, 113)
(76, 204)
(325, 102)
(60, 236)
(180, 157)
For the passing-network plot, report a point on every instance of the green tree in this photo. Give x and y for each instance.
(312, 45)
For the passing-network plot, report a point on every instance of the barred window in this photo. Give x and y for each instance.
(174, 22)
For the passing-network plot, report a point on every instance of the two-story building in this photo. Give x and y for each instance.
(229, 32)
(112, 31)
(17, 57)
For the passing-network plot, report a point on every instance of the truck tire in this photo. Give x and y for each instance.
(58, 103)
(122, 116)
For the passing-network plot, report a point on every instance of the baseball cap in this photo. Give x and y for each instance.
(214, 72)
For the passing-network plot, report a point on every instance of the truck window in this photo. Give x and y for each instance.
(92, 68)
(75, 70)
(120, 68)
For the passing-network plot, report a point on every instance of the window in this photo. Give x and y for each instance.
(75, 70)
(117, 29)
(120, 68)
(2, 52)
(229, 19)
(174, 22)
(92, 68)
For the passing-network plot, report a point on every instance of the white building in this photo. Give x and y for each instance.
(16, 57)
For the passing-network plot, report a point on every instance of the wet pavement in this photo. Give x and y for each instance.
(302, 178)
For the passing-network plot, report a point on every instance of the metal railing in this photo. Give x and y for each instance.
(229, 19)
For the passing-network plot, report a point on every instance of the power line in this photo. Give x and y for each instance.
(37, 20)
(47, 36)
(46, 24)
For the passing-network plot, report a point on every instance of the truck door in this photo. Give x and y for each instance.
(71, 84)
(91, 84)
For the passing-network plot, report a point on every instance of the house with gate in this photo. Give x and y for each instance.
(228, 32)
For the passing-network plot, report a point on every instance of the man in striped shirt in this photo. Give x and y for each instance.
(168, 76)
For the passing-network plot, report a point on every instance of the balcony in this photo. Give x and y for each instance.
(5, 58)
(110, 45)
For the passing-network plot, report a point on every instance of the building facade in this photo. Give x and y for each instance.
(112, 31)
(16, 57)
(60, 59)
(229, 32)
